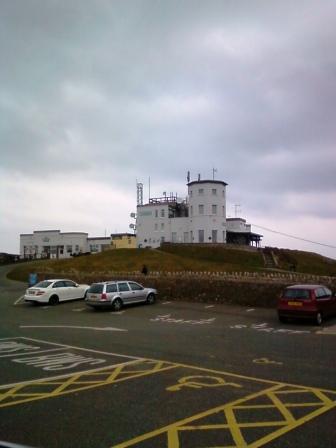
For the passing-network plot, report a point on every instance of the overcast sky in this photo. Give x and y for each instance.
(95, 95)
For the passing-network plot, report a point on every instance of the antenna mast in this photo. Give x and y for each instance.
(139, 193)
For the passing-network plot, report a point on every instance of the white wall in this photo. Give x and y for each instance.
(58, 244)
(238, 225)
(152, 227)
(210, 198)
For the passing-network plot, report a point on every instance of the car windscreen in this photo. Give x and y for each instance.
(296, 294)
(43, 284)
(96, 288)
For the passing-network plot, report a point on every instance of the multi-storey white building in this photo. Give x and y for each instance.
(199, 218)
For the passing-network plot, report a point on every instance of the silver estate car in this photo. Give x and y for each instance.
(115, 294)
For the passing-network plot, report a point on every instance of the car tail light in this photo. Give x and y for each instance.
(103, 296)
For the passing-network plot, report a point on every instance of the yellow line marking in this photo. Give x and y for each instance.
(159, 431)
(173, 441)
(288, 428)
(235, 431)
(235, 427)
(284, 411)
(70, 383)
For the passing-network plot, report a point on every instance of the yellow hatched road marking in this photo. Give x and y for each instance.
(76, 382)
(231, 425)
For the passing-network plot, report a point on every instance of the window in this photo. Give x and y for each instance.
(96, 288)
(214, 192)
(135, 286)
(69, 284)
(123, 287)
(162, 226)
(156, 226)
(77, 248)
(190, 193)
(201, 236)
(111, 288)
(156, 213)
(174, 237)
(58, 285)
(162, 213)
(200, 192)
(296, 294)
(201, 209)
(214, 236)
(214, 209)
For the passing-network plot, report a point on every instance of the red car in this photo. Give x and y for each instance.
(306, 301)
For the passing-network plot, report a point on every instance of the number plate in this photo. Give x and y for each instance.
(295, 303)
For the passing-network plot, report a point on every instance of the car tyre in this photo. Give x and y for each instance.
(150, 299)
(117, 305)
(54, 300)
(319, 318)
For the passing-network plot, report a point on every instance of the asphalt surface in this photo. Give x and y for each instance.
(173, 374)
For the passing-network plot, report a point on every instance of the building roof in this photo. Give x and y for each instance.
(206, 182)
(122, 234)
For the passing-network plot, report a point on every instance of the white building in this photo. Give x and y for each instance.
(199, 218)
(56, 244)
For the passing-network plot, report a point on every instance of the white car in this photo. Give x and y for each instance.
(54, 291)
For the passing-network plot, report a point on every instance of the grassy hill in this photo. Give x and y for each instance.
(179, 258)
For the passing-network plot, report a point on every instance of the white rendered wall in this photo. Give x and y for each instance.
(209, 197)
(36, 242)
(152, 227)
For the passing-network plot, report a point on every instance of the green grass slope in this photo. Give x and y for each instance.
(172, 258)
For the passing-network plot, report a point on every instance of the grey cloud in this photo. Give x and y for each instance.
(124, 90)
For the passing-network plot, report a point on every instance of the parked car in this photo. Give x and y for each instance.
(306, 301)
(115, 294)
(54, 291)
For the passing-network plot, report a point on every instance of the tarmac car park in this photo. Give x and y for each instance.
(173, 375)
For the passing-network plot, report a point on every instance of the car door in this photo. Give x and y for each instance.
(72, 291)
(60, 290)
(125, 292)
(323, 299)
(138, 292)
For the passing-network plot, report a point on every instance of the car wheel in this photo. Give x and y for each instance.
(117, 305)
(53, 300)
(319, 318)
(150, 299)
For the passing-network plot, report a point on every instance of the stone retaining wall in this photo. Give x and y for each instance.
(249, 289)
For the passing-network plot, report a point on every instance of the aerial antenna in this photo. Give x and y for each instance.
(214, 170)
(139, 193)
(188, 176)
(199, 177)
